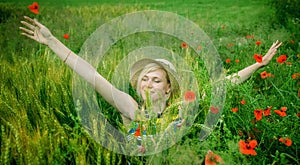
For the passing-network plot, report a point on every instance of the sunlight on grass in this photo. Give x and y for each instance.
(39, 123)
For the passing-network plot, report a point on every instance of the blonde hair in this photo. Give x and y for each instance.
(149, 68)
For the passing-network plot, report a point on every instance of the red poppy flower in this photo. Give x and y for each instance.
(199, 47)
(212, 158)
(230, 45)
(250, 36)
(287, 141)
(234, 109)
(237, 60)
(66, 36)
(295, 76)
(228, 60)
(223, 27)
(258, 58)
(288, 63)
(214, 110)
(247, 148)
(281, 112)
(267, 111)
(265, 74)
(184, 45)
(281, 59)
(292, 41)
(258, 43)
(243, 102)
(298, 114)
(283, 108)
(258, 114)
(189, 96)
(34, 8)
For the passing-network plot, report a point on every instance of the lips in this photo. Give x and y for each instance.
(151, 92)
(148, 91)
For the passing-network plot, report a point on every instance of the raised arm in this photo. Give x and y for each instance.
(244, 74)
(120, 100)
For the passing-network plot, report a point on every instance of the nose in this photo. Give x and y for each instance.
(149, 84)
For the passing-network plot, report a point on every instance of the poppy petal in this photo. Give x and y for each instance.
(34, 8)
(253, 143)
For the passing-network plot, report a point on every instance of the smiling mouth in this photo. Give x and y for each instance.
(148, 91)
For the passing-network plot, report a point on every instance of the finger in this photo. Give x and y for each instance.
(279, 44)
(274, 43)
(29, 19)
(28, 25)
(27, 35)
(36, 22)
(26, 30)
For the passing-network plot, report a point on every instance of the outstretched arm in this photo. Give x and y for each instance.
(244, 74)
(38, 32)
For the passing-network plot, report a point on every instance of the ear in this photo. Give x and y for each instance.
(168, 89)
(167, 96)
(168, 92)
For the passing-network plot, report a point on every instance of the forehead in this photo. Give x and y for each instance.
(159, 73)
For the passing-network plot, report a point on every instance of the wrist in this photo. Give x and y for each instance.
(51, 42)
(258, 65)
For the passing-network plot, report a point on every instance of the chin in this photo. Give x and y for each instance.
(153, 98)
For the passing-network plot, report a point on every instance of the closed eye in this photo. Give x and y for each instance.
(157, 80)
(145, 78)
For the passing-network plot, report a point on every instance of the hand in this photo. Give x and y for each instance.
(36, 31)
(271, 52)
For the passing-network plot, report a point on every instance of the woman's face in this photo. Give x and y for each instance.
(155, 84)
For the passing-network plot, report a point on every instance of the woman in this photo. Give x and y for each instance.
(154, 80)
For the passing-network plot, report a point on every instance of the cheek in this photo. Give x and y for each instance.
(162, 88)
(166, 87)
(142, 85)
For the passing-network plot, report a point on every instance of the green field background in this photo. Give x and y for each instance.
(39, 123)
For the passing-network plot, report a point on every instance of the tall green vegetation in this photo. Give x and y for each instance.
(286, 13)
(39, 123)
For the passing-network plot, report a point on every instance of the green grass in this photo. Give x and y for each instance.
(39, 124)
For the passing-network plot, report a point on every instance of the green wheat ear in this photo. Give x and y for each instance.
(6, 146)
(148, 100)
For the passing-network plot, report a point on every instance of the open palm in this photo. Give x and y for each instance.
(35, 30)
(271, 52)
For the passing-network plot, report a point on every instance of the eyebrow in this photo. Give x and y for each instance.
(152, 77)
